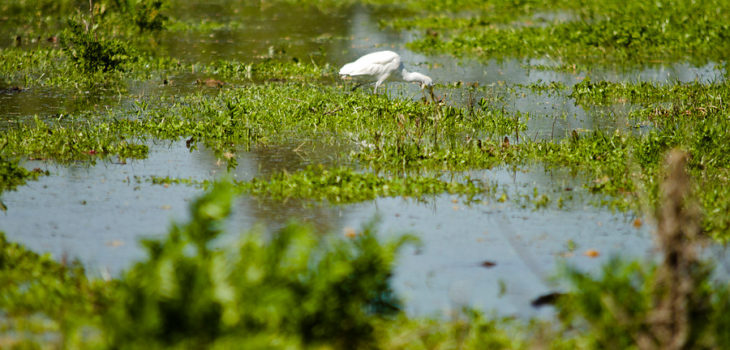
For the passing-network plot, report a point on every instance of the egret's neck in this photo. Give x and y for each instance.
(411, 77)
(415, 77)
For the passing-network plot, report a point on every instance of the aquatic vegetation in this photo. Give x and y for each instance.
(73, 141)
(602, 31)
(53, 67)
(344, 185)
(296, 288)
(13, 175)
(28, 68)
(267, 113)
(399, 135)
(691, 116)
(266, 70)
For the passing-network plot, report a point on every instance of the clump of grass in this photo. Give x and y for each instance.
(12, 174)
(91, 51)
(73, 141)
(148, 15)
(343, 185)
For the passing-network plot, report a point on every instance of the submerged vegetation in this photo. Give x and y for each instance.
(297, 288)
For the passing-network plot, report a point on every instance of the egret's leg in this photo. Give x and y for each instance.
(380, 81)
(357, 86)
(430, 91)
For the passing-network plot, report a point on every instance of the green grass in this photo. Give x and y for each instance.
(602, 32)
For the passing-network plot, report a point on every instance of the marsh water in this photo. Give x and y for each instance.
(491, 255)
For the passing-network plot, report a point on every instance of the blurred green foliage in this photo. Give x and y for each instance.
(290, 288)
(613, 310)
(46, 302)
(148, 14)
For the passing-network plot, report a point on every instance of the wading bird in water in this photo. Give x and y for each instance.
(379, 67)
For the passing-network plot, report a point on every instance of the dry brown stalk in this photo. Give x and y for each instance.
(669, 323)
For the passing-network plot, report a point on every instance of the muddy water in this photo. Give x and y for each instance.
(96, 213)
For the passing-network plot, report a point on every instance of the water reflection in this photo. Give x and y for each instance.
(250, 30)
(17, 105)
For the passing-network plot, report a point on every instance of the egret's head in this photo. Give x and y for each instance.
(417, 78)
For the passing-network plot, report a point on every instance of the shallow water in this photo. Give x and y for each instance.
(97, 213)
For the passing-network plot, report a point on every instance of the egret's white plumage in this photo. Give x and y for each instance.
(381, 66)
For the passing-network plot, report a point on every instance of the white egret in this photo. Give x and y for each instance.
(379, 67)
